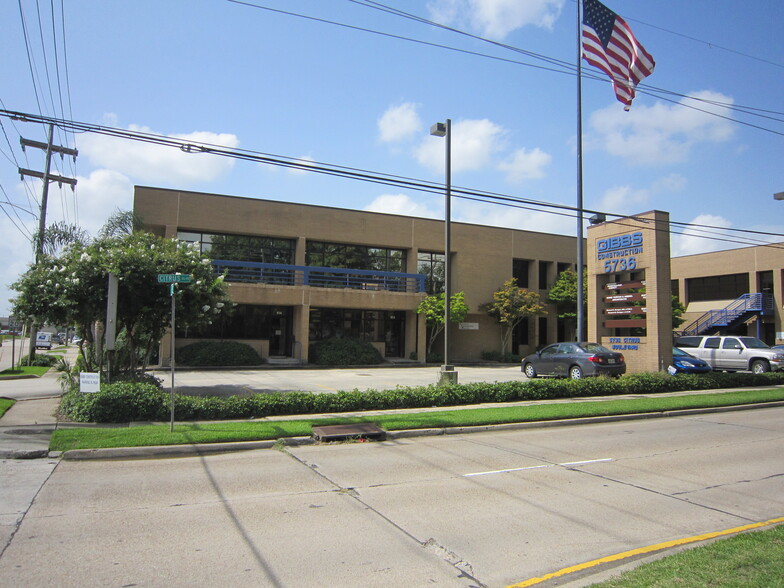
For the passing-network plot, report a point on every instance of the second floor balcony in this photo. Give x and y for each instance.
(322, 277)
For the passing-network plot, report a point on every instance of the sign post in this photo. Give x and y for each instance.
(173, 279)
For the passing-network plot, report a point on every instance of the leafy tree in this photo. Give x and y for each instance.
(434, 308)
(511, 304)
(72, 289)
(564, 293)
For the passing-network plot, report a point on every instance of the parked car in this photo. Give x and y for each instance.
(733, 353)
(685, 363)
(574, 360)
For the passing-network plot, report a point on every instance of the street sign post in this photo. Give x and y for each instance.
(173, 279)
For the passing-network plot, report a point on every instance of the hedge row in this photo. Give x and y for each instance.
(124, 401)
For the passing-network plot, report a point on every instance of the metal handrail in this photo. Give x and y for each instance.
(323, 277)
(756, 302)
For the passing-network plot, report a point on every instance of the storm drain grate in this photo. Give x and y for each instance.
(352, 431)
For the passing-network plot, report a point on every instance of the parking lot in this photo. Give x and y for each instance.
(227, 382)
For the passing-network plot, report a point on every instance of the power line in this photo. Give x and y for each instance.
(369, 176)
(563, 67)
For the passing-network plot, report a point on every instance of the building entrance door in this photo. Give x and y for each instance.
(280, 332)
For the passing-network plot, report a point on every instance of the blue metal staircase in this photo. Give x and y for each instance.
(737, 312)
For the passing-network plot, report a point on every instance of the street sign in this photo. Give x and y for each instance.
(174, 278)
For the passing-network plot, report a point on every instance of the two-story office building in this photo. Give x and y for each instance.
(300, 273)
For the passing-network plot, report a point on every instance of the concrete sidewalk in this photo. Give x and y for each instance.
(26, 428)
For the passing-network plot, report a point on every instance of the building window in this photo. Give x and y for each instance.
(520, 269)
(361, 257)
(433, 267)
(727, 287)
(373, 326)
(520, 335)
(542, 330)
(241, 247)
(674, 288)
(544, 269)
(765, 282)
(244, 321)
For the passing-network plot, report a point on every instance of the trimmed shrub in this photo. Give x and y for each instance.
(344, 351)
(40, 360)
(218, 353)
(124, 401)
(501, 357)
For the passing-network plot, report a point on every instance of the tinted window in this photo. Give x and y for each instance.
(689, 341)
(731, 344)
(754, 343)
(595, 348)
(552, 349)
(712, 343)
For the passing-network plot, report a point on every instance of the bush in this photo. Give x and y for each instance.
(125, 401)
(40, 360)
(344, 351)
(504, 357)
(218, 353)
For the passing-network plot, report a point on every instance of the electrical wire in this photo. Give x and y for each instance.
(563, 67)
(382, 178)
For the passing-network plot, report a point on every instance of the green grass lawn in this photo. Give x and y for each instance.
(5, 404)
(214, 432)
(33, 370)
(748, 560)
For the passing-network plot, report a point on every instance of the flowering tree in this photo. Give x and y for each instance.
(71, 288)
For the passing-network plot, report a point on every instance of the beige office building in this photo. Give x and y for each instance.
(302, 273)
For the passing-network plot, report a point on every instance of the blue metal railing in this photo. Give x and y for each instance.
(322, 277)
(739, 308)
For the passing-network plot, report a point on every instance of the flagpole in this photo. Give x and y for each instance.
(580, 260)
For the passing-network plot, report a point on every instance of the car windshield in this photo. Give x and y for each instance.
(754, 343)
(594, 348)
(679, 352)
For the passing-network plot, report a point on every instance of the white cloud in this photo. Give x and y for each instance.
(474, 142)
(525, 165)
(401, 204)
(399, 123)
(496, 18)
(623, 200)
(100, 195)
(693, 240)
(305, 160)
(660, 134)
(149, 163)
(514, 218)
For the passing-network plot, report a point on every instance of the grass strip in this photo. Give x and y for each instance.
(25, 370)
(5, 404)
(747, 560)
(219, 432)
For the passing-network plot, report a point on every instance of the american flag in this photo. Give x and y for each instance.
(610, 45)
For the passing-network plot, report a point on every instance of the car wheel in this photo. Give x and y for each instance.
(530, 370)
(575, 372)
(760, 366)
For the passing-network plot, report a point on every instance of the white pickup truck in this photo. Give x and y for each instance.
(733, 353)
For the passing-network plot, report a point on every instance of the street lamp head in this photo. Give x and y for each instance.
(776, 196)
(438, 129)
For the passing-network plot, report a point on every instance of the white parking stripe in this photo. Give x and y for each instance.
(551, 465)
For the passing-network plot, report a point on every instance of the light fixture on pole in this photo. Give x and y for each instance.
(448, 373)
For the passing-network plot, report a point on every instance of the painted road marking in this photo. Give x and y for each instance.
(537, 467)
(644, 550)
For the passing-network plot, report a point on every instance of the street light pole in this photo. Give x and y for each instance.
(448, 373)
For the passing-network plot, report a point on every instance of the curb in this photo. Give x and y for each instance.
(201, 449)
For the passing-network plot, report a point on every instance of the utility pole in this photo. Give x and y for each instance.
(47, 177)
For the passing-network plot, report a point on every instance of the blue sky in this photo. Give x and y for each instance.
(238, 75)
